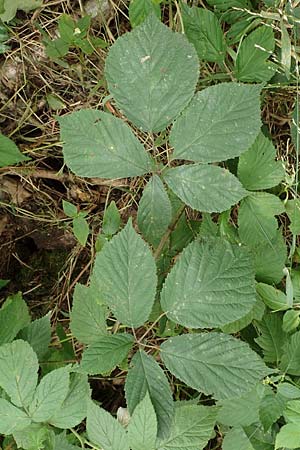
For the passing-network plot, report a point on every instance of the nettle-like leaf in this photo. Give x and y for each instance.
(139, 10)
(18, 372)
(152, 74)
(220, 122)
(88, 316)
(290, 360)
(130, 290)
(49, 395)
(9, 152)
(257, 168)
(14, 316)
(104, 431)
(38, 335)
(206, 188)
(106, 353)
(11, 418)
(192, 428)
(252, 62)
(154, 212)
(213, 363)
(145, 375)
(271, 337)
(204, 31)
(142, 428)
(210, 285)
(97, 144)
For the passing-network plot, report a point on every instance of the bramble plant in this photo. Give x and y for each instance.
(191, 304)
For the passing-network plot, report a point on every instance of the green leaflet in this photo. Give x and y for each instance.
(18, 372)
(211, 284)
(38, 335)
(10, 154)
(292, 208)
(111, 220)
(213, 363)
(252, 62)
(11, 7)
(256, 313)
(288, 437)
(154, 212)
(34, 437)
(290, 320)
(152, 74)
(11, 418)
(257, 168)
(108, 150)
(192, 428)
(145, 375)
(142, 428)
(140, 9)
(271, 337)
(272, 297)
(104, 431)
(81, 229)
(129, 291)
(106, 353)
(88, 316)
(271, 408)
(220, 122)
(206, 188)
(290, 361)
(292, 412)
(14, 316)
(237, 439)
(204, 31)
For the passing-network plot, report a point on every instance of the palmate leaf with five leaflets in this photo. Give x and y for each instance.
(212, 284)
(220, 122)
(213, 363)
(130, 290)
(206, 188)
(152, 74)
(97, 144)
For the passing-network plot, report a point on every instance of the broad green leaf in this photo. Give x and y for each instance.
(211, 284)
(145, 375)
(221, 122)
(256, 220)
(252, 62)
(288, 437)
(206, 188)
(97, 144)
(290, 320)
(106, 353)
(203, 30)
(11, 7)
(290, 361)
(272, 297)
(81, 229)
(18, 372)
(292, 208)
(49, 395)
(11, 418)
(70, 210)
(154, 212)
(224, 5)
(74, 408)
(257, 168)
(88, 316)
(213, 363)
(14, 316)
(237, 439)
(192, 428)
(142, 428)
(140, 9)
(104, 431)
(242, 411)
(33, 437)
(259, 439)
(292, 412)
(271, 337)
(256, 313)
(9, 152)
(130, 290)
(38, 335)
(111, 219)
(152, 74)
(288, 391)
(270, 409)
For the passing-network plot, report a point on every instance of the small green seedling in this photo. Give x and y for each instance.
(80, 226)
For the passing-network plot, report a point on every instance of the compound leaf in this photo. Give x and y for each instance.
(142, 428)
(214, 363)
(206, 188)
(212, 284)
(152, 74)
(220, 122)
(154, 212)
(145, 375)
(257, 168)
(97, 144)
(18, 372)
(130, 290)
